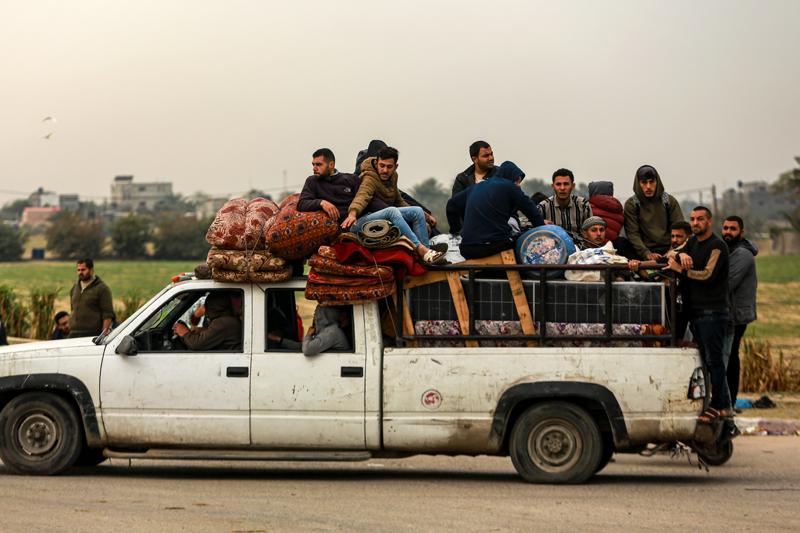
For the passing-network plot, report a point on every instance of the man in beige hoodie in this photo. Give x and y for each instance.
(379, 181)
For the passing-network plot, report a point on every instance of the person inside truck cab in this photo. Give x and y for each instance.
(328, 331)
(224, 329)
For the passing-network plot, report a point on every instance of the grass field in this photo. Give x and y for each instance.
(778, 303)
(125, 278)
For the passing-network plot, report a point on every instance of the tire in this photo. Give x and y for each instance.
(40, 434)
(716, 457)
(556, 442)
(605, 456)
(90, 457)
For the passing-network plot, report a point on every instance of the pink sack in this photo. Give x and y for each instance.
(260, 214)
(228, 229)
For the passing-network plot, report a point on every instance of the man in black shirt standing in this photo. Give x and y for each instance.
(703, 263)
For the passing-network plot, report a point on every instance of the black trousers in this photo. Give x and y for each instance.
(485, 249)
(734, 366)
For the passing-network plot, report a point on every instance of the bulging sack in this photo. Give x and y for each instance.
(295, 234)
(240, 225)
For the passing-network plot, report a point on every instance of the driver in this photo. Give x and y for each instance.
(224, 330)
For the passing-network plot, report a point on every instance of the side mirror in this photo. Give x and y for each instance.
(127, 346)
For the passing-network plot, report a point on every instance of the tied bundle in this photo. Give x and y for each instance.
(238, 243)
(331, 282)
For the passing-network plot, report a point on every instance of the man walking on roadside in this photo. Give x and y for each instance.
(703, 264)
(90, 302)
(742, 284)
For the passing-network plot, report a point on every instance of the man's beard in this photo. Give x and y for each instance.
(731, 240)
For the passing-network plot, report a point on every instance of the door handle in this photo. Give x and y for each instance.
(352, 372)
(237, 372)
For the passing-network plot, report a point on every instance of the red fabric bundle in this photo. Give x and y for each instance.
(609, 209)
(320, 278)
(325, 265)
(295, 234)
(334, 294)
(404, 262)
(240, 225)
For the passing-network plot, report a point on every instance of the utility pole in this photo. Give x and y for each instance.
(714, 201)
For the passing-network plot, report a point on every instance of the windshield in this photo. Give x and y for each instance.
(120, 327)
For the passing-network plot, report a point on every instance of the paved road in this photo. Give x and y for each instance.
(759, 488)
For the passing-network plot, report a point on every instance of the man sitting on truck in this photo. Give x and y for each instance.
(224, 330)
(330, 190)
(486, 208)
(379, 181)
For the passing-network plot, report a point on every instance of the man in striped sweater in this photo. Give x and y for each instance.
(564, 208)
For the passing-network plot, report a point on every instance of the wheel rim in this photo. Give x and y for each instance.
(38, 434)
(555, 446)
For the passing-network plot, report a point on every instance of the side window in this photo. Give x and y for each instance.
(198, 310)
(290, 317)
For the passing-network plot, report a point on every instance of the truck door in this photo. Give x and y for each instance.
(305, 401)
(167, 394)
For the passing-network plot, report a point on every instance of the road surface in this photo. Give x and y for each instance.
(758, 489)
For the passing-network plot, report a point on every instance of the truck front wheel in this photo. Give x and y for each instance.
(556, 442)
(39, 434)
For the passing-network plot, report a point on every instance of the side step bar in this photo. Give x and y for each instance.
(238, 455)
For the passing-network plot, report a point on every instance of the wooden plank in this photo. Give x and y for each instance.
(427, 278)
(460, 303)
(408, 324)
(518, 293)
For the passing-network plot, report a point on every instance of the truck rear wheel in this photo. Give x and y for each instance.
(556, 442)
(39, 434)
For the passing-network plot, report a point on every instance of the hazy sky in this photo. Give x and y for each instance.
(226, 95)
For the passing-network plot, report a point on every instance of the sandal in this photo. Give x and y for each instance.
(432, 257)
(708, 416)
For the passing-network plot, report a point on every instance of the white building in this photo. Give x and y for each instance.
(129, 196)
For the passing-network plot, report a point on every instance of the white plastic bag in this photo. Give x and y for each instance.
(605, 255)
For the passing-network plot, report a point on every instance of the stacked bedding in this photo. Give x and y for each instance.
(295, 235)
(239, 245)
(335, 283)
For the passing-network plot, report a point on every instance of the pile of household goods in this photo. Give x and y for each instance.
(259, 241)
(361, 266)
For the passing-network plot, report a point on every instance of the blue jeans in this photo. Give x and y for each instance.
(710, 330)
(409, 220)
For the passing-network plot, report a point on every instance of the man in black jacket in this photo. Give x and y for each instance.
(482, 167)
(330, 190)
(742, 283)
(703, 265)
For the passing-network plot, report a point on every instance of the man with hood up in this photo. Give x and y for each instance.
(649, 214)
(485, 209)
(742, 285)
(224, 330)
(327, 333)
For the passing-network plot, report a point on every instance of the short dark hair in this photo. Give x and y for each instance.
(388, 152)
(475, 148)
(60, 315)
(681, 225)
(326, 153)
(737, 219)
(703, 208)
(564, 172)
(87, 261)
(538, 197)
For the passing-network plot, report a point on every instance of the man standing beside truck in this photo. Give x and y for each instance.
(704, 265)
(90, 302)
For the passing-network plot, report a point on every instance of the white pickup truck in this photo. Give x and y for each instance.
(559, 412)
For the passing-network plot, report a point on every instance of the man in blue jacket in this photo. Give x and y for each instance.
(486, 207)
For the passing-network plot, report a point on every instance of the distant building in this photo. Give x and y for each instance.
(206, 206)
(35, 217)
(129, 196)
(756, 199)
(43, 198)
(69, 202)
